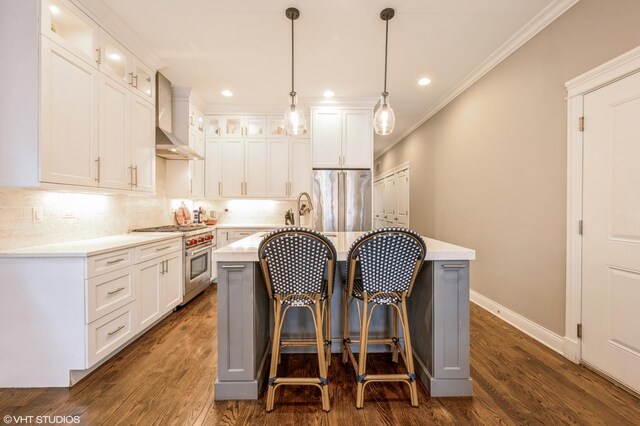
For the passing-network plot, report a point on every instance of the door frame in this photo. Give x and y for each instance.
(607, 73)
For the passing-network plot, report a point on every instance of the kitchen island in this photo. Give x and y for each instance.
(438, 316)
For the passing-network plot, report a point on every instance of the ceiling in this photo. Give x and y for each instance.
(244, 46)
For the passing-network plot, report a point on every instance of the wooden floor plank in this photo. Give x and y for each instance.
(166, 378)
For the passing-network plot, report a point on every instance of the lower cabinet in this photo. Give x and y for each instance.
(159, 288)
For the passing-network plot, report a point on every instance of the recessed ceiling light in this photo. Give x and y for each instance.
(54, 9)
(226, 93)
(424, 81)
(328, 94)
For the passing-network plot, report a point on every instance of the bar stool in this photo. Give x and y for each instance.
(382, 266)
(294, 261)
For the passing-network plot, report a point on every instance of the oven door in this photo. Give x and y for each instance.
(197, 267)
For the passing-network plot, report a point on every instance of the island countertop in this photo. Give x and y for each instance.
(246, 250)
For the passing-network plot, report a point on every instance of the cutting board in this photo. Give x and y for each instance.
(183, 216)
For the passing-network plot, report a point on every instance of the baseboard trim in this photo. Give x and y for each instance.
(546, 337)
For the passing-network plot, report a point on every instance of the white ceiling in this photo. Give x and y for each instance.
(244, 46)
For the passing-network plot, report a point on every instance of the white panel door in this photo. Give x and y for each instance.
(143, 145)
(326, 138)
(69, 118)
(213, 167)
(357, 139)
(150, 276)
(402, 197)
(173, 279)
(278, 168)
(611, 241)
(115, 128)
(378, 202)
(255, 169)
(233, 168)
(390, 199)
(300, 171)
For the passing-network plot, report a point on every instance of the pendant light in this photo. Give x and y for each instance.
(294, 121)
(384, 118)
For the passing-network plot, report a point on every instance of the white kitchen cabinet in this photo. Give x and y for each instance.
(213, 168)
(172, 286)
(150, 277)
(143, 145)
(232, 127)
(278, 167)
(233, 168)
(378, 203)
(143, 81)
(115, 60)
(326, 138)
(114, 165)
(300, 171)
(212, 127)
(255, 127)
(342, 138)
(69, 118)
(275, 126)
(357, 139)
(255, 168)
(64, 23)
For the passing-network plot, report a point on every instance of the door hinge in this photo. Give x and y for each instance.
(580, 227)
(581, 124)
(579, 331)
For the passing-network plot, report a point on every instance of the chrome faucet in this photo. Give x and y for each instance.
(304, 209)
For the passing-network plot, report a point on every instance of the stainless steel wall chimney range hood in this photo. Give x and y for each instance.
(167, 144)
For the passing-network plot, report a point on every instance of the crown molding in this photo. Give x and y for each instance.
(342, 102)
(536, 24)
(110, 22)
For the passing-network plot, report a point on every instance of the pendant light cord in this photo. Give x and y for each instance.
(292, 60)
(386, 47)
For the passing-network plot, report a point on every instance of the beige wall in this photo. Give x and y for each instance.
(489, 170)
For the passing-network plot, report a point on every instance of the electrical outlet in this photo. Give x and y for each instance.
(36, 214)
(68, 214)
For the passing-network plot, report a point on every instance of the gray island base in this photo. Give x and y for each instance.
(438, 316)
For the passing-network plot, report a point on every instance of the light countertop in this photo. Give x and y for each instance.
(247, 225)
(246, 250)
(90, 247)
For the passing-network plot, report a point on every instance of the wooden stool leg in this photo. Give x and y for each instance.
(396, 333)
(327, 332)
(345, 328)
(275, 353)
(362, 355)
(324, 388)
(409, 352)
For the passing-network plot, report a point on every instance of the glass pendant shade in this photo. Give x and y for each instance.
(294, 121)
(384, 119)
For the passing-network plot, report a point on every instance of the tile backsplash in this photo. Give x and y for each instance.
(97, 215)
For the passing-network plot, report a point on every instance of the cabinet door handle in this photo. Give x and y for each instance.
(113, 262)
(118, 290)
(111, 333)
(166, 262)
(135, 77)
(163, 248)
(454, 266)
(191, 186)
(135, 168)
(98, 165)
(241, 188)
(232, 266)
(99, 52)
(219, 188)
(131, 79)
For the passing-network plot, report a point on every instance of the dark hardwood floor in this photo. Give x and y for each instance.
(166, 377)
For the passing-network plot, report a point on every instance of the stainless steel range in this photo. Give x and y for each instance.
(198, 241)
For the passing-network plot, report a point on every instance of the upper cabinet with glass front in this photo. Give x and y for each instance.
(143, 80)
(71, 28)
(115, 60)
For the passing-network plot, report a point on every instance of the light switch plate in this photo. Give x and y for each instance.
(36, 214)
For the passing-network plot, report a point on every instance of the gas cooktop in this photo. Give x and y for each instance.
(173, 228)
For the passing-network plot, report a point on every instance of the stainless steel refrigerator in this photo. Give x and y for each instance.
(342, 200)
